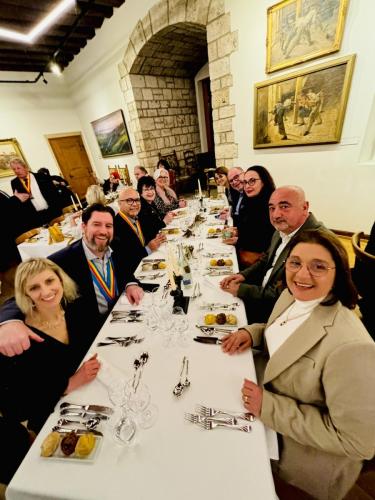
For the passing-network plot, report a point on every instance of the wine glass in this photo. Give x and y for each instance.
(181, 324)
(124, 427)
(138, 399)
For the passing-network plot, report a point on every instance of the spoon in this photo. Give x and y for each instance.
(90, 424)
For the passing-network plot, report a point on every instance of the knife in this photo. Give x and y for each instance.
(64, 430)
(208, 340)
(67, 412)
(92, 408)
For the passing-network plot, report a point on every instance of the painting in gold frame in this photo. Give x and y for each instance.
(302, 108)
(9, 149)
(300, 30)
(123, 172)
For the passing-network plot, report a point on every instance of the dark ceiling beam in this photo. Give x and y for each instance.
(111, 3)
(97, 10)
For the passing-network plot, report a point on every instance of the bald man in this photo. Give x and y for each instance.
(261, 284)
(131, 241)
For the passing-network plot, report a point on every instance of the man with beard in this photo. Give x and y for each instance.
(260, 285)
(100, 274)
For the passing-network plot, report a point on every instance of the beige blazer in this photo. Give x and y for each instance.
(319, 394)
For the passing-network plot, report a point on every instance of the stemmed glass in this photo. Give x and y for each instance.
(181, 325)
(138, 400)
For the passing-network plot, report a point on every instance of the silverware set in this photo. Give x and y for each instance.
(196, 291)
(217, 305)
(120, 341)
(131, 316)
(151, 277)
(167, 286)
(206, 411)
(184, 381)
(214, 272)
(138, 365)
(211, 330)
(90, 418)
(219, 254)
(209, 424)
(209, 418)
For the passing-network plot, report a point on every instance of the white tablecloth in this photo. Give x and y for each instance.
(174, 459)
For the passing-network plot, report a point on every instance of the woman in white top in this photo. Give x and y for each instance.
(317, 391)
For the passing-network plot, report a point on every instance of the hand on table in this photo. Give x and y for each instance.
(134, 293)
(182, 203)
(223, 215)
(252, 396)
(237, 342)
(168, 218)
(85, 374)
(231, 283)
(22, 196)
(15, 338)
(156, 242)
(231, 241)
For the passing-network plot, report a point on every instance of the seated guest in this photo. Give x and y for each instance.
(131, 241)
(100, 273)
(364, 279)
(317, 384)
(166, 199)
(31, 384)
(222, 183)
(149, 216)
(164, 165)
(62, 187)
(37, 193)
(260, 284)
(139, 172)
(94, 194)
(112, 183)
(254, 227)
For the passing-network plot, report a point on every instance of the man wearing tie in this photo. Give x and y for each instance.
(37, 193)
(261, 284)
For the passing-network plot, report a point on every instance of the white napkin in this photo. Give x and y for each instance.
(109, 375)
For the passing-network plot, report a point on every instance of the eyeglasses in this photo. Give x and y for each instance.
(235, 178)
(131, 201)
(251, 182)
(315, 267)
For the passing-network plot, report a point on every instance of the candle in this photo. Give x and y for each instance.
(74, 205)
(199, 189)
(79, 201)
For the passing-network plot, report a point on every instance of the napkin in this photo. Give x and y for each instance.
(109, 375)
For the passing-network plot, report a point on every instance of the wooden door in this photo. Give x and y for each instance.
(74, 163)
(207, 104)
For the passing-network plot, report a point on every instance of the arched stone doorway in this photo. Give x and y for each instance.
(166, 50)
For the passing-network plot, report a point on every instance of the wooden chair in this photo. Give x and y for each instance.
(181, 175)
(25, 236)
(362, 255)
(56, 220)
(210, 179)
(68, 210)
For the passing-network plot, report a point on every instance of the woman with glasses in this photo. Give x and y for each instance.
(317, 386)
(253, 223)
(151, 219)
(166, 199)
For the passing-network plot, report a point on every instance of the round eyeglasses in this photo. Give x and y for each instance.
(131, 201)
(251, 182)
(315, 267)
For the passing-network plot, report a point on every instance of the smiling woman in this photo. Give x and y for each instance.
(321, 408)
(32, 383)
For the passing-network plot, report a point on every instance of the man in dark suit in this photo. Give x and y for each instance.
(86, 262)
(37, 193)
(131, 241)
(261, 284)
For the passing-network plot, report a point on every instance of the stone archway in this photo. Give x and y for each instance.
(165, 51)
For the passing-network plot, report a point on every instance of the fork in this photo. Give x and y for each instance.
(210, 330)
(196, 419)
(205, 411)
(208, 425)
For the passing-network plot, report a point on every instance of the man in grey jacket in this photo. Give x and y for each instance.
(261, 284)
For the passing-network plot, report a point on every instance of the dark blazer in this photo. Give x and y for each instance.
(50, 194)
(9, 208)
(73, 261)
(259, 301)
(127, 244)
(150, 219)
(235, 196)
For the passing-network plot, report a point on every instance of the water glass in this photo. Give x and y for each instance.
(124, 428)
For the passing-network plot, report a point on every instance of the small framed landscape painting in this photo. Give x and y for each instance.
(112, 135)
(300, 30)
(304, 107)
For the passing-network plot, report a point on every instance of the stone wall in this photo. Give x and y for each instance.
(165, 109)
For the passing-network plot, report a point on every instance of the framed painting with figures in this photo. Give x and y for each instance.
(9, 149)
(300, 30)
(304, 107)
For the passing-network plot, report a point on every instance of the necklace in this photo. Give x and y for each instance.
(287, 319)
(52, 325)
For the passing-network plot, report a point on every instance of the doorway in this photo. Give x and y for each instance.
(75, 166)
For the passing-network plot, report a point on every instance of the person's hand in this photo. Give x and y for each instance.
(168, 218)
(21, 196)
(182, 203)
(252, 396)
(235, 278)
(134, 294)
(85, 374)
(15, 338)
(230, 241)
(156, 242)
(224, 213)
(237, 342)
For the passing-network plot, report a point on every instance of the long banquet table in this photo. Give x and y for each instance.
(174, 459)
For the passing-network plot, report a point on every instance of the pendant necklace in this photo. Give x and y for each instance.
(287, 319)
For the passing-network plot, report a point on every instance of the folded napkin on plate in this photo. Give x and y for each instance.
(109, 374)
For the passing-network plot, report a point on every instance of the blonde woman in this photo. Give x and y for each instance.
(166, 199)
(94, 194)
(32, 383)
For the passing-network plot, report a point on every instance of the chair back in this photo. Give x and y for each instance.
(361, 254)
(25, 236)
(56, 220)
(68, 210)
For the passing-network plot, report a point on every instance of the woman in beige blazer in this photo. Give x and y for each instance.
(318, 387)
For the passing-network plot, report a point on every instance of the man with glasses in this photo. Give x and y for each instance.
(261, 284)
(132, 242)
(235, 179)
